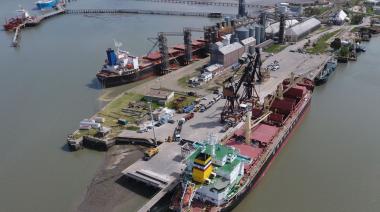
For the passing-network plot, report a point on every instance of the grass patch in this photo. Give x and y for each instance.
(275, 48)
(184, 81)
(81, 133)
(113, 111)
(188, 101)
(315, 11)
(133, 128)
(321, 45)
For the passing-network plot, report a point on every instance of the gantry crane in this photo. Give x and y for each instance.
(251, 69)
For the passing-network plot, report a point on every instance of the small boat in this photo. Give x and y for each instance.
(332, 64)
(46, 4)
(360, 49)
(323, 76)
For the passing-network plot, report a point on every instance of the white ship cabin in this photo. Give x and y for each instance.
(226, 171)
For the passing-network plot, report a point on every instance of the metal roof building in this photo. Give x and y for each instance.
(301, 30)
(227, 55)
(273, 29)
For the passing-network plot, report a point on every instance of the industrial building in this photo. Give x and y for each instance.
(301, 30)
(249, 44)
(273, 29)
(159, 96)
(339, 18)
(227, 55)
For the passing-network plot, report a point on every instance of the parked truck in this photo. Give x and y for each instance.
(189, 116)
(149, 153)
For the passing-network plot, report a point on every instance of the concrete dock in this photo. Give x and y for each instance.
(162, 171)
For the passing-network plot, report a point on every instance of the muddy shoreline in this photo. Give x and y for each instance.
(109, 190)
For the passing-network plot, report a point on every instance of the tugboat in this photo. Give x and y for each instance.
(325, 73)
(322, 77)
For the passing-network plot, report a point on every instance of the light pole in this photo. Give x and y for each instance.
(151, 121)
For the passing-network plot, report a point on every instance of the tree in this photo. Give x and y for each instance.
(336, 44)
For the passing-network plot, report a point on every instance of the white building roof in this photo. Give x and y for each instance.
(303, 27)
(275, 28)
(341, 16)
(248, 41)
(230, 48)
(214, 67)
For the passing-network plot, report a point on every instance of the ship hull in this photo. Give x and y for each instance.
(255, 180)
(320, 81)
(112, 81)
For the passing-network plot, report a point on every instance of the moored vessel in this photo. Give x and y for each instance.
(218, 176)
(46, 4)
(12, 23)
(121, 67)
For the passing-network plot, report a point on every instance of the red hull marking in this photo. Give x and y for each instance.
(283, 144)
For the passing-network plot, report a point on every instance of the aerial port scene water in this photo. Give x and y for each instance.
(190, 105)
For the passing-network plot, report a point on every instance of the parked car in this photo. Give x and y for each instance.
(171, 121)
(158, 124)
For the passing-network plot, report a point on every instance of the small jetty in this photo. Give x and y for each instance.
(29, 21)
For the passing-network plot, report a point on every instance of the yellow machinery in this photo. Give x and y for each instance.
(149, 153)
(202, 167)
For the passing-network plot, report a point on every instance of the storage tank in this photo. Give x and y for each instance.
(262, 34)
(227, 19)
(257, 34)
(251, 31)
(242, 33)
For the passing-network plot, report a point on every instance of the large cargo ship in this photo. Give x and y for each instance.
(121, 67)
(218, 176)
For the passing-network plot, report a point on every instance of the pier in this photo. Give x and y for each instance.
(207, 3)
(138, 11)
(162, 171)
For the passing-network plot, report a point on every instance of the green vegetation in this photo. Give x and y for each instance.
(357, 19)
(184, 81)
(133, 128)
(344, 51)
(112, 112)
(187, 100)
(321, 45)
(275, 48)
(81, 133)
(314, 11)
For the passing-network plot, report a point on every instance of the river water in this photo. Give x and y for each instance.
(47, 86)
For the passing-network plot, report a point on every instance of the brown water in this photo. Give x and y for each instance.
(47, 86)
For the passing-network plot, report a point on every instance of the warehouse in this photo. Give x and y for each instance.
(248, 43)
(273, 29)
(301, 30)
(227, 55)
(159, 96)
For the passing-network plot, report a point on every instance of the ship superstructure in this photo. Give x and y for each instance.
(222, 174)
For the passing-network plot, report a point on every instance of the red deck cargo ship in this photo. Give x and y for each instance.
(252, 148)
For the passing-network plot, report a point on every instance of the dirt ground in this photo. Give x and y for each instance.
(109, 190)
